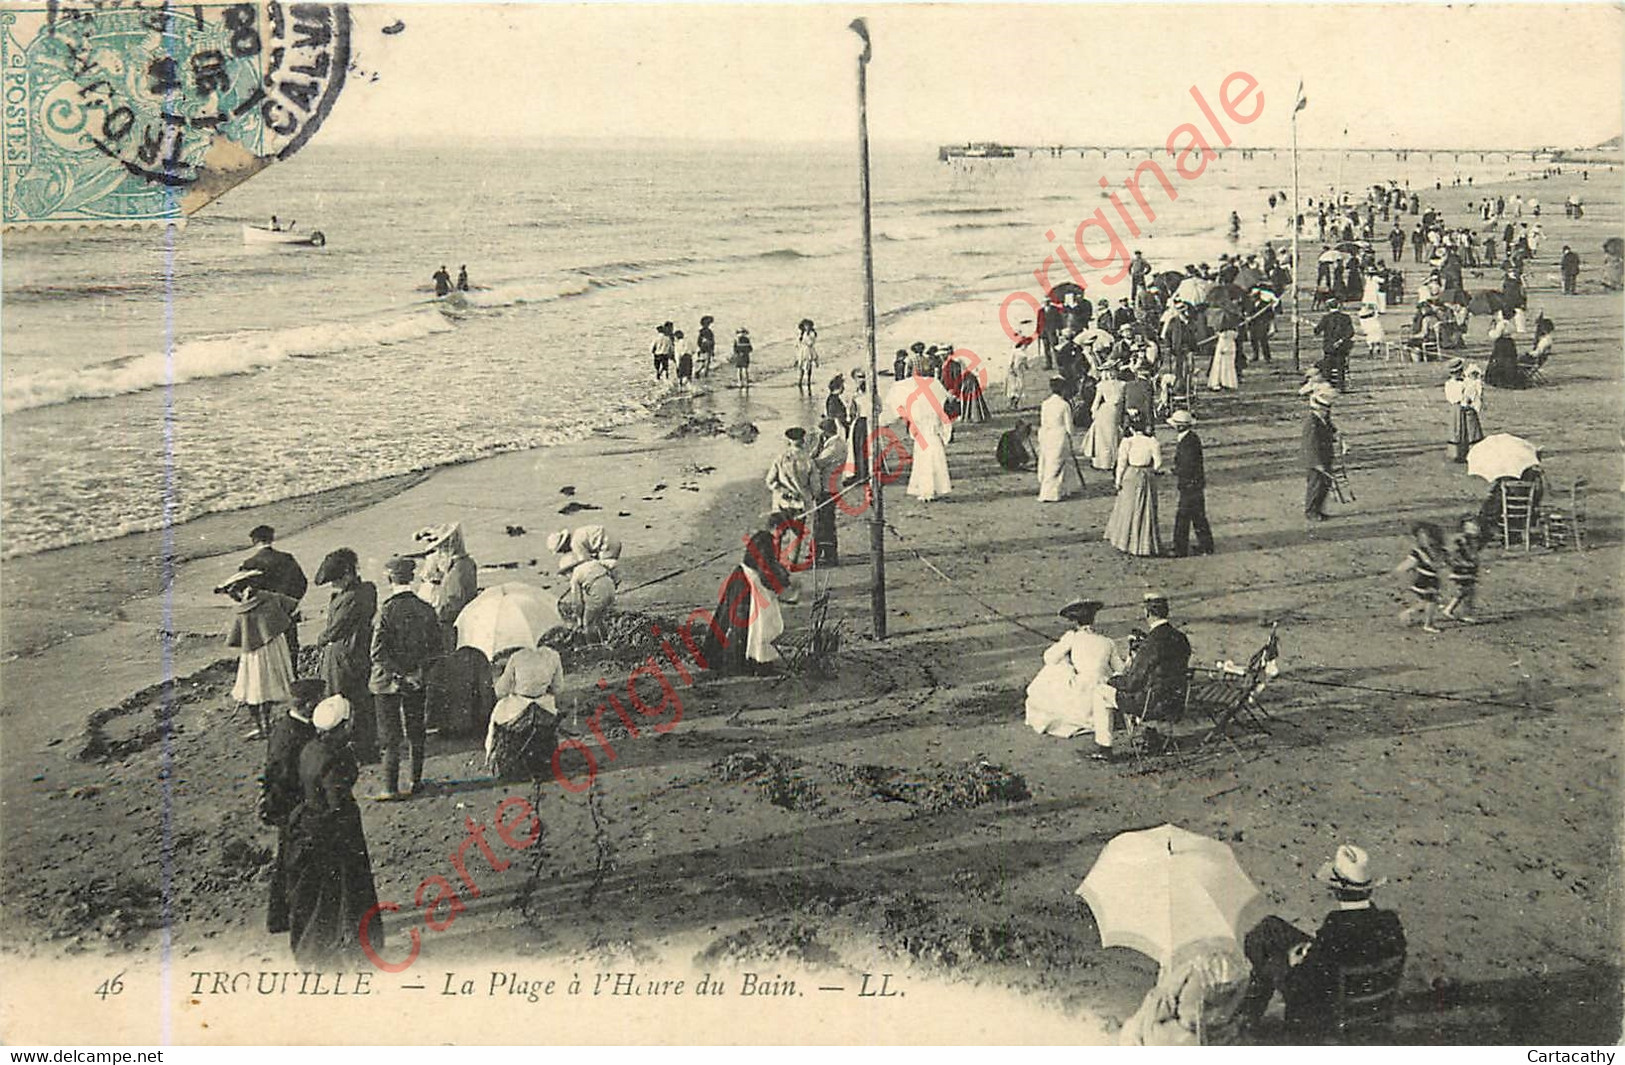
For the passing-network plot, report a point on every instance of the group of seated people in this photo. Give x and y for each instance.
(1436, 326)
(1088, 685)
(1218, 996)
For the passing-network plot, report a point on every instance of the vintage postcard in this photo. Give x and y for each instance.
(806, 524)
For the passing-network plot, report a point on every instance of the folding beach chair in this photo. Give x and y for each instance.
(1231, 698)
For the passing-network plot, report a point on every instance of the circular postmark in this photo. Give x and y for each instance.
(193, 95)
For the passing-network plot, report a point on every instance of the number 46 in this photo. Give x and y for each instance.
(112, 986)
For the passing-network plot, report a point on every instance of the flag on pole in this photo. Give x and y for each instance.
(1303, 100)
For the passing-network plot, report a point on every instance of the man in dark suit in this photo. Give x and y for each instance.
(1316, 452)
(1192, 481)
(1304, 969)
(1336, 333)
(1156, 677)
(282, 574)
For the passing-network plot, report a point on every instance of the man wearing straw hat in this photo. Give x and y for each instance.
(1316, 452)
(1304, 969)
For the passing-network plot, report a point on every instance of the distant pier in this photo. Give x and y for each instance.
(990, 150)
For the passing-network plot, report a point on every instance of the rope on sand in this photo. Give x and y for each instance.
(725, 552)
(932, 566)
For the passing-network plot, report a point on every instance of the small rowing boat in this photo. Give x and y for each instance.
(266, 235)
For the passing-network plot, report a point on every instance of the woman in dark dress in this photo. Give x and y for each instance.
(835, 402)
(1503, 371)
(329, 874)
(746, 599)
(279, 790)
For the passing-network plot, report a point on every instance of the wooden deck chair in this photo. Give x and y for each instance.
(1366, 995)
(1230, 699)
(1159, 707)
(1566, 526)
(1518, 512)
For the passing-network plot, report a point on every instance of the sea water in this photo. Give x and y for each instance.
(151, 376)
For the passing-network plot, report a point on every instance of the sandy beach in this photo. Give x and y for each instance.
(899, 814)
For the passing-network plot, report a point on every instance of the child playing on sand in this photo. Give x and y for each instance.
(1464, 572)
(1424, 561)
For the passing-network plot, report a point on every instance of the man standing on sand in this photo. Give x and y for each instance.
(405, 640)
(1396, 241)
(1316, 452)
(346, 645)
(1336, 332)
(1192, 481)
(1139, 271)
(1570, 265)
(283, 575)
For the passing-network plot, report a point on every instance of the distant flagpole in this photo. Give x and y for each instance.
(1298, 106)
(877, 513)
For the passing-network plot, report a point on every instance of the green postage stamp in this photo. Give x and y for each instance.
(121, 113)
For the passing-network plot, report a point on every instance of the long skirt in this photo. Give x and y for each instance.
(1465, 431)
(1132, 527)
(330, 887)
(264, 675)
(1057, 468)
(1059, 703)
(1221, 373)
(1105, 434)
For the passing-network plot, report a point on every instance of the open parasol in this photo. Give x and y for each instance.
(1614, 246)
(1192, 290)
(1170, 894)
(1067, 290)
(1501, 455)
(508, 615)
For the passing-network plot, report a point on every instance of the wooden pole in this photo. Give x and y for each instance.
(1296, 274)
(876, 500)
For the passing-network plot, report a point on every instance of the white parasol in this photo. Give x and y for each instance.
(1192, 290)
(508, 615)
(1501, 455)
(1170, 894)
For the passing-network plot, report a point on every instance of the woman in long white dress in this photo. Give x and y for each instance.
(1221, 372)
(1132, 527)
(1106, 421)
(1058, 475)
(1065, 697)
(1015, 384)
(932, 431)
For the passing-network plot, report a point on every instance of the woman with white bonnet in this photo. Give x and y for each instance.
(450, 577)
(590, 556)
(330, 885)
